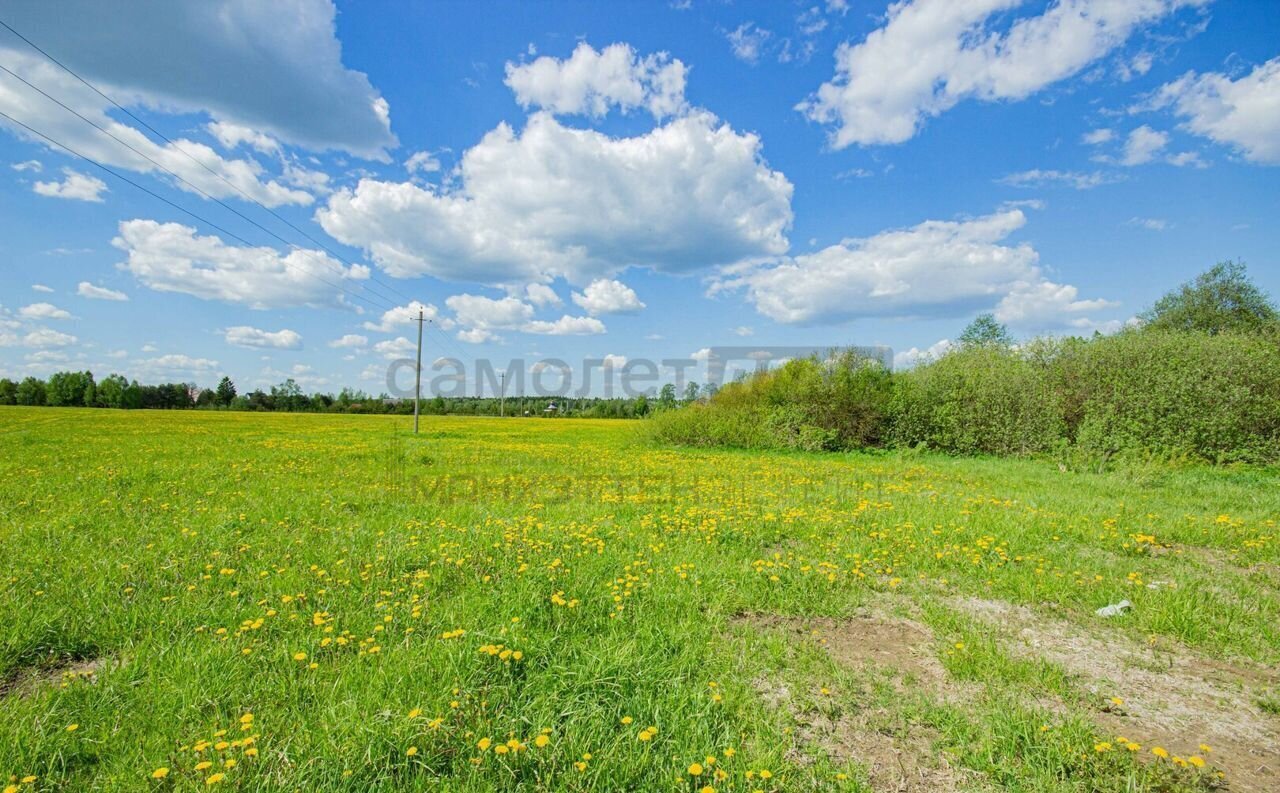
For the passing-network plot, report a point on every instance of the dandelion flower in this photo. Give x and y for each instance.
(215, 779)
(627, 719)
(203, 764)
(411, 751)
(484, 744)
(1159, 751)
(695, 769)
(72, 727)
(1196, 760)
(299, 656)
(541, 741)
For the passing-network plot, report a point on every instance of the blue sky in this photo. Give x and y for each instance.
(581, 180)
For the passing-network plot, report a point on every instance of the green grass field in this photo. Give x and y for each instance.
(316, 603)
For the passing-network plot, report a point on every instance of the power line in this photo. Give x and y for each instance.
(175, 175)
(182, 151)
(176, 206)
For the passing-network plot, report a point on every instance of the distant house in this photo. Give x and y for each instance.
(551, 408)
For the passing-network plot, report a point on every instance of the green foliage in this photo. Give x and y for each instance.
(840, 402)
(8, 392)
(1209, 397)
(986, 331)
(30, 391)
(225, 392)
(979, 399)
(70, 389)
(1219, 300)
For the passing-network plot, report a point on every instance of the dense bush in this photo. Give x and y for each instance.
(1201, 395)
(834, 403)
(1213, 397)
(978, 399)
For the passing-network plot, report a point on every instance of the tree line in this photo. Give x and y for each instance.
(1197, 376)
(79, 389)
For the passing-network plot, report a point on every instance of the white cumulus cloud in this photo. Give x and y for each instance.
(566, 326)
(247, 336)
(74, 186)
(170, 257)
(43, 311)
(92, 292)
(932, 54)
(349, 341)
(936, 267)
(590, 82)
(1242, 113)
(607, 296)
(553, 201)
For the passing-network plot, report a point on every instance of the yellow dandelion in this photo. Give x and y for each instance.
(72, 727)
(411, 751)
(299, 656)
(695, 769)
(215, 779)
(541, 741)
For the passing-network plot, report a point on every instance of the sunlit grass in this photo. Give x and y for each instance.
(347, 601)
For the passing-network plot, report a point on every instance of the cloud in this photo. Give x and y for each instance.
(747, 41)
(566, 326)
(272, 67)
(1142, 145)
(399, 347)
(936, 268)
(246, 336)
(75, 186)
(29, 165)
(233, 135)
(1150, 224)
(744, 331)
(170, 257)
(214, 174)
(349, 341)
(1096, 136)
(606, 296)
(542, 295)
(1073, 179)
(703, 354)
(42, 338)
(43, 311)
(932, 54)
(422, 162)
(612, 361)
(402, 316)
(88, 290)
(1044, 303)
(476, 311)
(1242, 113)
(41, 288)
(591, 82)
(553, 201)
(172, 365)
(906, 359)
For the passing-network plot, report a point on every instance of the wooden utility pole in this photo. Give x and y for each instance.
(417, 377)
(502, 398)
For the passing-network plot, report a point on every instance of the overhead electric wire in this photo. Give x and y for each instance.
(176, 206)
(185, 153)
(175, 175)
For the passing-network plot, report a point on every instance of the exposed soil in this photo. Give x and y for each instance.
(61, 672)
(1171, 696)
(899, 757)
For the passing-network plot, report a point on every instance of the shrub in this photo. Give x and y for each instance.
(1211, 397)
(979, 399)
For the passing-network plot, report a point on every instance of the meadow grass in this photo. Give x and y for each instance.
(530, 604)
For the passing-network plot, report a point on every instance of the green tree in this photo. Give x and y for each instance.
(226, 392)
(986, 331)
(1222, 299)
(30, 392)
(69, 389)
(111, 391)
(8, 392)
(667, 396)
(691, 392)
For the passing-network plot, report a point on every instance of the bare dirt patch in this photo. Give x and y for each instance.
(61, 672)
(1171, 696)
(899, 757)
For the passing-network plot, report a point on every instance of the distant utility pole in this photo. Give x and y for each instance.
(417, 377)
(502, 398)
